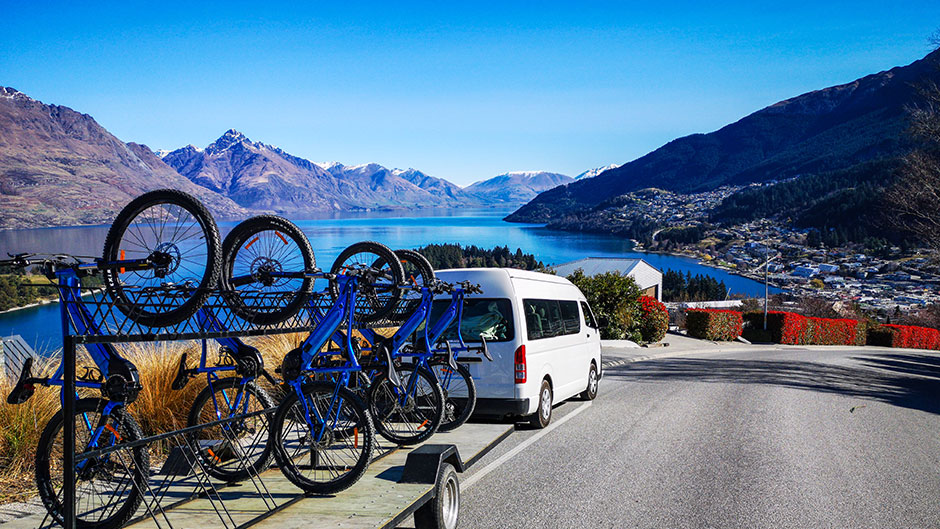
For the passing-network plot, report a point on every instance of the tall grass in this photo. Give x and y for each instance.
(158, 407)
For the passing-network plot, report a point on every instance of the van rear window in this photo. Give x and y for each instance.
(547, 318)
(490, 318)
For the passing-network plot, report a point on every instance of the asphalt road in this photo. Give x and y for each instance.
(754, 437)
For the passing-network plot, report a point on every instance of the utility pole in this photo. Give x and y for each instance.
(766, 291)
(766, 266)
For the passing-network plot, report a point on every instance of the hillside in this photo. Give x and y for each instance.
(60, 167)
(826, 130)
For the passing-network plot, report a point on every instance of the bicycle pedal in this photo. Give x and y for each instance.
(219, 452)
(24, 387)
(182, 375)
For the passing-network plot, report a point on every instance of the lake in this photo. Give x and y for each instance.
(331, 234)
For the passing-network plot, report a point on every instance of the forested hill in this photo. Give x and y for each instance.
(822, 131)
(850, 201)
(443, 256)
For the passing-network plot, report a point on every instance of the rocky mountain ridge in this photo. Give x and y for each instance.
(60, 167)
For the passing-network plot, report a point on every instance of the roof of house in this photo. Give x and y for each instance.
(599, 265)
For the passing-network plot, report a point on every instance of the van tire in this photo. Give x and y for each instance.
(543, 414)
(590, 393)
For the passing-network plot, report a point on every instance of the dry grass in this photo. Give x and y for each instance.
(20, 427)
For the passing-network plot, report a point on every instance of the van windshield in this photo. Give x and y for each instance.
(490, 318)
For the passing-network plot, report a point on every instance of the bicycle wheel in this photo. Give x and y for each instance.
(374, 300)
(408, 414)
(252, 251)
(460, 393)
(418, 270)
(175, 231)
(333, 453)
(418, 273)
(237, 450)
(109, 488)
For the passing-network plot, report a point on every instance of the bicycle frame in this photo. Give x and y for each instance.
(210, 322)
(326, 326)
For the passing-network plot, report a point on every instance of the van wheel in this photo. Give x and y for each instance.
(590, 393)
(543, 415)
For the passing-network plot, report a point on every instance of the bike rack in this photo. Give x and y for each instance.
(182, 471)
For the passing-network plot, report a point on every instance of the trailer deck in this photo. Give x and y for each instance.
(378, 500)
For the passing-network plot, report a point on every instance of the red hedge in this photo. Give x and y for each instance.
(714, 324)
(796, 329)
(784, 327)
(905, 336)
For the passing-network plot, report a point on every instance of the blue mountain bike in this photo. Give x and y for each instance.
(322, 435)
(160, 255)
(241, 447)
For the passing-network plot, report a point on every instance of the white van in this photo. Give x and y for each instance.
(541, 333)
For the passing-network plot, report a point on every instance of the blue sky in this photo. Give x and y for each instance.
(463, 92)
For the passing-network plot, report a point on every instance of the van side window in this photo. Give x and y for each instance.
(569, 314)
(588, 316)
(547, 318)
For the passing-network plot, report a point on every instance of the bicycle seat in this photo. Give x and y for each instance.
(24, 387)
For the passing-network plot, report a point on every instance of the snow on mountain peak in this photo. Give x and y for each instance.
(227, 140)
(7, 92)
(591, 173)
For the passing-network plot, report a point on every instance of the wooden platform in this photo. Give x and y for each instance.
(376, 501)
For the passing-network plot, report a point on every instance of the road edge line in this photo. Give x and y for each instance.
(477, 476)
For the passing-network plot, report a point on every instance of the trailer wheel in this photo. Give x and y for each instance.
(442, 510)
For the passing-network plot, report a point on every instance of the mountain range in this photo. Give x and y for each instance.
(841, 128)
(60, 167)
(261, 176)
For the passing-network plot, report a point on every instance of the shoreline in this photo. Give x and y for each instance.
(46, 301)
(708, 264)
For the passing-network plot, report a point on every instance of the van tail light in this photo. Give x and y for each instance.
(520, 365)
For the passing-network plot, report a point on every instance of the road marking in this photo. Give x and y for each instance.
(465, 484)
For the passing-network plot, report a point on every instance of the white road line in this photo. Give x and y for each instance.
(465, 484)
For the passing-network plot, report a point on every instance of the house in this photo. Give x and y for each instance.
(805, 271)
(647, 277)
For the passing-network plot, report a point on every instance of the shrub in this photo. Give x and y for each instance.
(827, 331)
(783, 327)
(905, 336)
(714, 324)
(613, 298)
(653, 321)
(796, 329)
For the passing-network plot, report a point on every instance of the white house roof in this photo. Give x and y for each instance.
(645, 274)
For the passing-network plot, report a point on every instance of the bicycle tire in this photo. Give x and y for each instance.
(290, 409)
(387, 411)
(128, 430)
(237, 248)
(459, 408)
(372, 304)
(122, 291)
(212, 462)
(411, 259)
